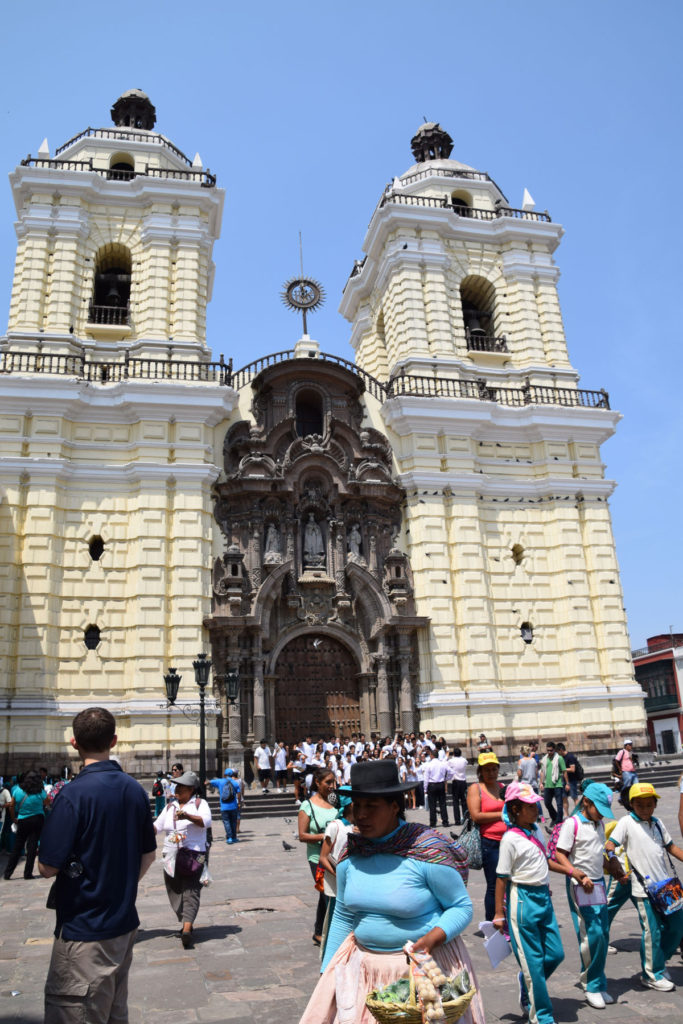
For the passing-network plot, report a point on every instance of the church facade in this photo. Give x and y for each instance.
(418, 538)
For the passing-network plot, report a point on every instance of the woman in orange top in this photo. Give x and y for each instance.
(485, 804)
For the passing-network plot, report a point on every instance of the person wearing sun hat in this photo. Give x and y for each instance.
(523, 876)
(581, 852)
(397, 881)
(485, 807)
(649, 848)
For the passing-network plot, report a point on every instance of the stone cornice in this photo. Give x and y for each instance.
(113, 476)
(512, 487)
(91, 187)
(493, 421)
(529, 696)
(128, 402)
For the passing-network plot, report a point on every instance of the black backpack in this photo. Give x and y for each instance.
(157, 789)
(227, 792)
(578, 771)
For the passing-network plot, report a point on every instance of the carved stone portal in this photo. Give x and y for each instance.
(313, 599)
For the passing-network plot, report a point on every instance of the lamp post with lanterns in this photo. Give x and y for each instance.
(202, 671)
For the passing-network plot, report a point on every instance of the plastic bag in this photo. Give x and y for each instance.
(170, 851)
(206, 877)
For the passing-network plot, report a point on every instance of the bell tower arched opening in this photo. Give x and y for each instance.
(478, 298)
(111, 292)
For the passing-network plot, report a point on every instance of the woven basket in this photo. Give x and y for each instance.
(411, 1012)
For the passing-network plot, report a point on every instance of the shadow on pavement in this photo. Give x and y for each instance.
(207, 933)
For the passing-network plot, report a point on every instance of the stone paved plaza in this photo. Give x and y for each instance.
(254, 959)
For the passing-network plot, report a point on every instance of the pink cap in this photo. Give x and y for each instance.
(522, 791)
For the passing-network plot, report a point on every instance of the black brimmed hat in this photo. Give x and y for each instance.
(377, 778)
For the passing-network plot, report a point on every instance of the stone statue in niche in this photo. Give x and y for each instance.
(272, 549)
(314, 548)
(354, 540)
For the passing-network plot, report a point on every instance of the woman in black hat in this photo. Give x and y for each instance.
(396, 883)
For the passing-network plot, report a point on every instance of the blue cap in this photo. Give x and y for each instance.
(601, 795)
(229, 771)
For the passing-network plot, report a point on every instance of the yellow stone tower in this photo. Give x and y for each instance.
(108, 411)
(507, 526)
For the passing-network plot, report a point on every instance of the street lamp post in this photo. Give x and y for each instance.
(202, 669)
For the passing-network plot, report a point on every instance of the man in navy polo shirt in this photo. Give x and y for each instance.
(99, 841)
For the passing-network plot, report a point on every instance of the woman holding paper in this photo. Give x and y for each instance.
(581, 852)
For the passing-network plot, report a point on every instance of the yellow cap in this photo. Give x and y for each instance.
(642, 789)
(488, 758)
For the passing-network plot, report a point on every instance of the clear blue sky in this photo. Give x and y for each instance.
(305, 111)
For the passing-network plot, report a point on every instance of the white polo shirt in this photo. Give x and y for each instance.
(521, 860)
(586, 851)
(643, 845)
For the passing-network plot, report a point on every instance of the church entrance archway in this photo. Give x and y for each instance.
(316, 689)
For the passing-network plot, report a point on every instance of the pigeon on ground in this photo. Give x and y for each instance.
(286, 846)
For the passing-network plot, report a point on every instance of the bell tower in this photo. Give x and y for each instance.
(110, 403)
(454, 307)
(115, 236)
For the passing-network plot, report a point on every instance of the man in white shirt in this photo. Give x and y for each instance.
(435, 788)
(308, 749)
(457, 776)
(262, 757)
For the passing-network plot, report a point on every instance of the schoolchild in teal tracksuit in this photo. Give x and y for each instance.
(581, 852)
(523, 876)
(648, 846)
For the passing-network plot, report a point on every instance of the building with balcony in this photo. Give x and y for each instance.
(658, 669)
(420, 537)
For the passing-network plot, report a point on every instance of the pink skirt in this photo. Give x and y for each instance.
(353, 972)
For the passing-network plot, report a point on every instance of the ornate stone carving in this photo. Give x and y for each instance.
(310, 524)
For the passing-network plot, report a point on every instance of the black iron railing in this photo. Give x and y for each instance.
(531, 394)
(445, 172)
(201, 177)
(486, 343)
(222, 373)
(125, 134)
(474, 213)
(111, 372)
(115, 316)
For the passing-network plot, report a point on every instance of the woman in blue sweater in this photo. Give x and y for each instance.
(397, 882)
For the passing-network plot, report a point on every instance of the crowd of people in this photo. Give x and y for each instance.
(382, 879)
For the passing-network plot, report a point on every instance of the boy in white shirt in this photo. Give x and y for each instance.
(646, 842)
(262, 757)
(581, 852)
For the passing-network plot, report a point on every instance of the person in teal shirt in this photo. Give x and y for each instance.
(27, 808)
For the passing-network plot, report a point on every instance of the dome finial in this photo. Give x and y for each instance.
(134, 109)
(431, 142)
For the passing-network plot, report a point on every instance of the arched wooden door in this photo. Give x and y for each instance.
(316, 690)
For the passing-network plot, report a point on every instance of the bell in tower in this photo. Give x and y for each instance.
(134, 110)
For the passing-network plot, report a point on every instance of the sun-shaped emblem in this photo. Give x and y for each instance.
(303, 295)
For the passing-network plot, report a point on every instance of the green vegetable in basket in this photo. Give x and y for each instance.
(457, 986)
(396, 992)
